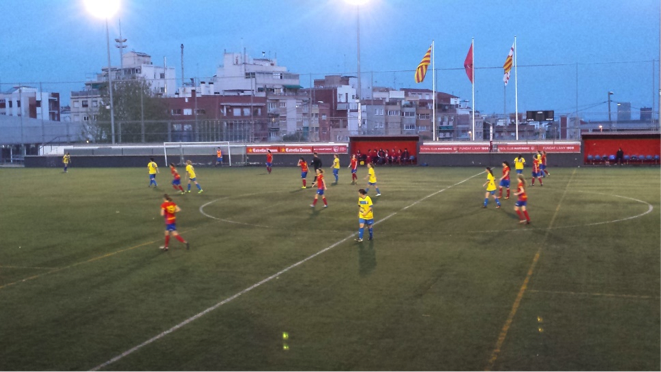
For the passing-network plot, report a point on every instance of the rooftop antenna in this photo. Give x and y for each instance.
(182, 65)
(120, 45)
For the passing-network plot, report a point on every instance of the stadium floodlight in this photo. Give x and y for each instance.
(103, 9)
(357, 2)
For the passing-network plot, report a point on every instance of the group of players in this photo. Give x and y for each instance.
(538, 171)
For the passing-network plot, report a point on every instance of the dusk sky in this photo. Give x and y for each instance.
(59, 44)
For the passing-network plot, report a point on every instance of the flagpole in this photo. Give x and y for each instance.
(473, 84)
(516, 92)
(433, 89)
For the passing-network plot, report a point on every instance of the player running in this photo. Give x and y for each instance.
(66, 159)
(372, 179)
(321, 187)
(153, 169)
(505, 181)
(219, 157)
(365, 215)
(519, 161)
(176, 182)
(190, 174)
(536, 172)
(491, 189)
(304, 170)
(520, 205)
(169, 210)
(336, 168)
(354, 167)
(269, 161)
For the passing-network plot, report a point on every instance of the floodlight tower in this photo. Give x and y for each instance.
(105, 9)
(358, 3)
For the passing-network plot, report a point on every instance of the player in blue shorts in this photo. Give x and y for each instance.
(491, 188)
(365, 214)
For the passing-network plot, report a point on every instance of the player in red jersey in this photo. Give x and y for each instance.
(304, 170)
(176, 182)
(520, 206)
(269, 161)
(354, 167)
(321, 187)
(505, 180)
(536, 172)
(543, 165)
(169, 210)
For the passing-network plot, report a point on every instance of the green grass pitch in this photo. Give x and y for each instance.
(445, 285)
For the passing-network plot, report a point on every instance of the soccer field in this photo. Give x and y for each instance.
(272, 284)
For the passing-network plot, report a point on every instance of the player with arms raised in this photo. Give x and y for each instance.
(304, 171)
(169, 210)
(536, 172)
(365, 215)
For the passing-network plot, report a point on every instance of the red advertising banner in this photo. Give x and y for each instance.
(448, 149)
(298, 149)
(528, 148)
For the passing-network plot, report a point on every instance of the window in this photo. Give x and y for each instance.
(409, 113)
(378, 112)
(11, 103)
(423, 116)
(409, 126)
(260, 89)
(86, 118)
(84, 103)
(162, 75)
(393, 112)
(250, 75)
(272, 105)
(201, 111)
(18, 103)
(236, 111)
(422, 128)
(246, 111)
(257, 111)
(277, 75)
(323, 117)
(176, 111)
(188, 111)
(283, 104)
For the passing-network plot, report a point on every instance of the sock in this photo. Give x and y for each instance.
(304, 183)
(178, 237)
(520, 215)
(486, 200)
(361, 231)
(181, 188)
(336, 179)
(367, 190)
(325, 202)
(527, 216)
(498, 201)
(533, 181)
(540, 181)
(314, 202)
(377, 191)
(167, 240)
(189, 187)
(508, 193)
(174, 187)
(500, 193)
(354, 177)
(198, 186)
(370, 231)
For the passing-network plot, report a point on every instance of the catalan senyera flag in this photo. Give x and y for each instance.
(508, 65)
(421, 71)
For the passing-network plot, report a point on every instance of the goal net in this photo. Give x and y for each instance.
(204, 153)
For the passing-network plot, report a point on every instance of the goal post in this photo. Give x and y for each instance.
(178, 152)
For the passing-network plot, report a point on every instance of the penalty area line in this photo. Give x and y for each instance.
(266, 280)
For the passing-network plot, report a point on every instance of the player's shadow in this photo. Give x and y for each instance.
(366, 258)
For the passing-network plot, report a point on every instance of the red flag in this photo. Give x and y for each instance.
(468, 64)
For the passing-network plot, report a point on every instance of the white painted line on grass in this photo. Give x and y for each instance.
(223, 302)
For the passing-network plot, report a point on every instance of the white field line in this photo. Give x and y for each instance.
(223, 302)
(649, 210)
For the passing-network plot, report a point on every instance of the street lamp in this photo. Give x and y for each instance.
(358, 3)
(470, 136)
(105, 9)
(601, 128)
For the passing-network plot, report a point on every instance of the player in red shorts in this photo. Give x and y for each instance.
(304, 170)
(354, 167)
(321, 187)
(505, 180)
(520, 206)
(176, 182)
(169, 210)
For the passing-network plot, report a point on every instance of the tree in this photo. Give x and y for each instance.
(140, 116)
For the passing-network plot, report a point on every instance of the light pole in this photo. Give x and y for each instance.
(610, 123)
(358, 3)
(601, 128)
(106, 9)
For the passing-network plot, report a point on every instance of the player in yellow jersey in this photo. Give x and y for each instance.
(66, 159)
(153, 169)
(365, 214)
(371, 179)
(336, 168)
(190, 174)
(491, 188)
(519, 161)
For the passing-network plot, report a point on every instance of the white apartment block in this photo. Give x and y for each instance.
(30, 102)
(243, 75)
